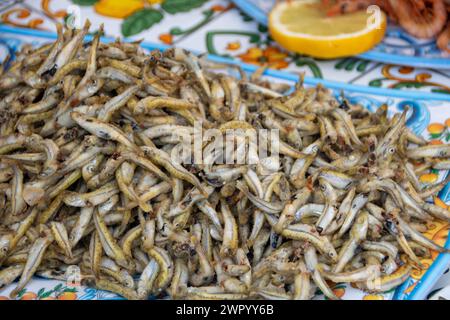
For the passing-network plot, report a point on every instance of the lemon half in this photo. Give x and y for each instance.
(302, 26)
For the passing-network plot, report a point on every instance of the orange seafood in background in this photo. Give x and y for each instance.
(420, 18)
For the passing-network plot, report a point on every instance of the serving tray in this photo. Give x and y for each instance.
(398, 47)
(427, 116)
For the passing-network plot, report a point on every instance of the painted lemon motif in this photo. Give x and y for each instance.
(118, 8)
(67, 296)
(28, 296)
(435, 129)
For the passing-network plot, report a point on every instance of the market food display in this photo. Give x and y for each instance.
(94, 173)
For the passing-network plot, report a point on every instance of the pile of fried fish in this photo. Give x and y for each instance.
(88, 179)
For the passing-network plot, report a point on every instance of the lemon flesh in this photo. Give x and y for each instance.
(304, 27)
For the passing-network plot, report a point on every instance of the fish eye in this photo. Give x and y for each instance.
(391, 150)
(389, 224)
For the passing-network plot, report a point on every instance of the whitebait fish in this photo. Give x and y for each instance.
(112, 159)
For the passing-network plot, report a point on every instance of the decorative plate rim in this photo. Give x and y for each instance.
(284, 75)
(260, 16)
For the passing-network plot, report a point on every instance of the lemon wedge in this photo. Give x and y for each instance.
(302, 26)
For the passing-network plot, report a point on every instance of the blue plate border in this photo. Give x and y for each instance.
(433, 273)
(284, 75)
(260, 16)
(438, 267)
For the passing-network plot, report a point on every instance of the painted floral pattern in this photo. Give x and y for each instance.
(271, 57)
(437, 231)
(44, 289)
(216, 27)
(408, 77)
(57, 292)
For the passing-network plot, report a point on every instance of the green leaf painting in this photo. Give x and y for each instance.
(140, 20)
(376, 82)
(175, 6)
(85, 2)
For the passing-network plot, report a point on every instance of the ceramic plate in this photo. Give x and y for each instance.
(424, 109)
(398, 47)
